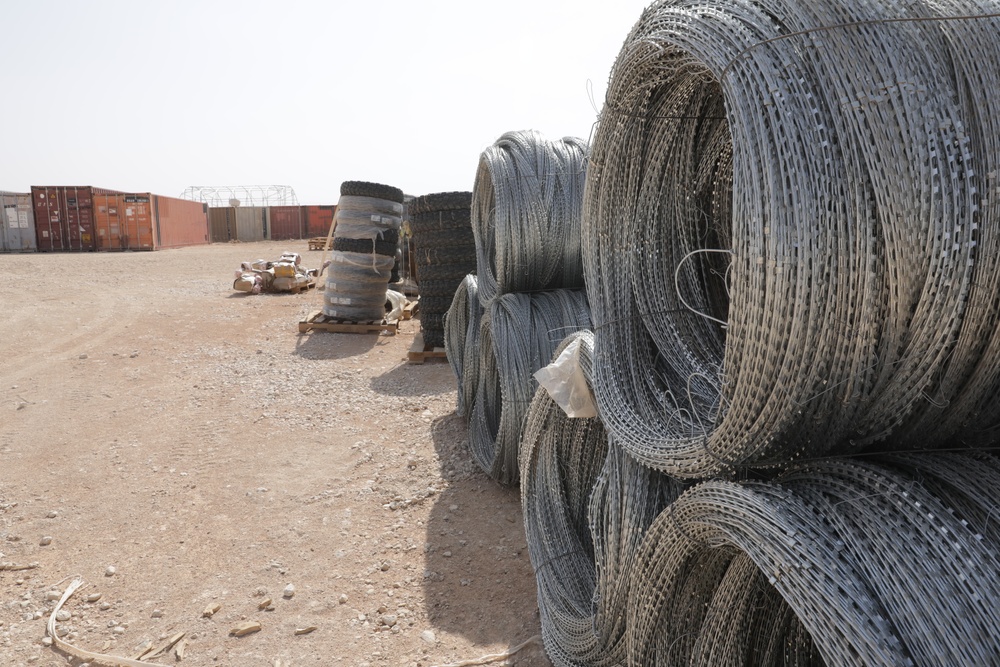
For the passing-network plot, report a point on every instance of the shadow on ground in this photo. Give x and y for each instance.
(479, 581)
(325, 345)
(428, 379)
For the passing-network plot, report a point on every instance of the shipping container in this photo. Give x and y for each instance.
(180, 222)
(239, 223)
(124, 221)
(144, 221)
(285, 222)
(318, 220)
(251, 223)
(17, 222)
(64, 217)
(222, 224)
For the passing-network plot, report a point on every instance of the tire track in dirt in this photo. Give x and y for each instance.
(99, 321)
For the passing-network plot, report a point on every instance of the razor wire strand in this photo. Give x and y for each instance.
(840, 178)
(518, 335)
(687, 554)
(843, 561)
(627, 498)
(932, 571)
(744, 593)
(461, 341)
(526, 213)
(969, 384)
(560, 459)
(586, 506)
(970, 482)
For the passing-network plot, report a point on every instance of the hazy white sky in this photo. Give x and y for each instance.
(157, 96)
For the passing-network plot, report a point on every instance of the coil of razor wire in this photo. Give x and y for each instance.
(838, 562)
(526, 214)
(791, 229)
(560, 459)
(461, 342)
(518, 334)
(585, 511)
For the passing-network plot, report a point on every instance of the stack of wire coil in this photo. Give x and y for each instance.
(791, 252)
(803, 258)
(526, 219)
(586, 507)
(445, 253)
(518, 334)
(366, 236)
(526, 214)
(461, 341)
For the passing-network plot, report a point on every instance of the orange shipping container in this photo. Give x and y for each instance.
(146, 222)
(180, 222)
(124, 221)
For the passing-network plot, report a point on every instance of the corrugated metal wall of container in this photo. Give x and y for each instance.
(319, 219)
(222, 224)
(124, 221)
(251, 223)
(180, 222)
(17, 222)
(285, 222)
(64, 216)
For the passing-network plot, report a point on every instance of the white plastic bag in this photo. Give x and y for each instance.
(566, 384)
(398, 302)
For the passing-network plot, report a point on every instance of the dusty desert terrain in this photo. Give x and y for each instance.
(155, 422)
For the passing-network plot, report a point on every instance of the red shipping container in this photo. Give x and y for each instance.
(285, 222)
(180, 222)
(318, 220)
(64, 217)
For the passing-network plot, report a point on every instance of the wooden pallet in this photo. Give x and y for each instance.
(317, 243)
(317, 321)
(410, 309)
(419, 353)
(301, 288)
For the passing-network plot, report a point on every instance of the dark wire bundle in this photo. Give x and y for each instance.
(445, 253)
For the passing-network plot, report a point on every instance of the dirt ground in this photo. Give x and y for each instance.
(156, 422)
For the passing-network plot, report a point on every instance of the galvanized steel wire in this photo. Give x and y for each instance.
(461, 341)
(791, 249)
(890, 562)
(791, 232)
(518, 334)
(526, 211)
(586, 507)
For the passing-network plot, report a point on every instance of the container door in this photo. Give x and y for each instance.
(79, 219)
(26, 223)
(138, 222)
(8, 223)
(48, 220)
(108, 222)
